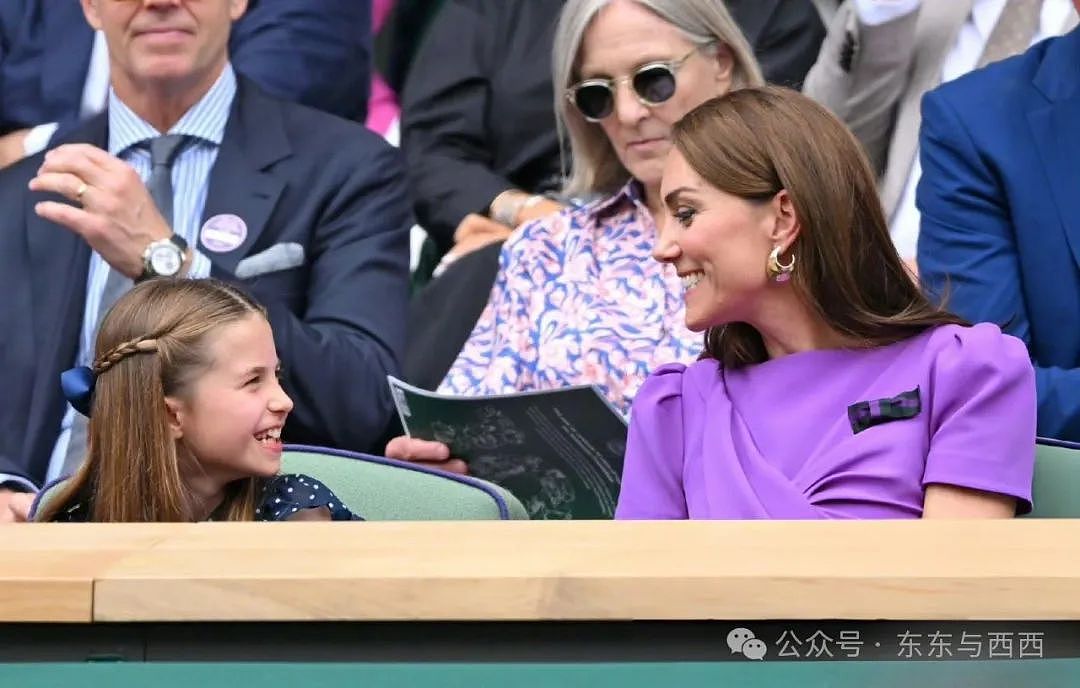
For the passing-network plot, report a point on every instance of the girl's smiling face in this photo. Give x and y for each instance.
(229, 419)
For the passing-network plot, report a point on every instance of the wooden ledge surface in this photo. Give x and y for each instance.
(47, 572)
(1020, 569)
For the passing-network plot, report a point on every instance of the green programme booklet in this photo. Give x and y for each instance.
(560, 452)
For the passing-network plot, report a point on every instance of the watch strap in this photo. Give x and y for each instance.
(179, 241)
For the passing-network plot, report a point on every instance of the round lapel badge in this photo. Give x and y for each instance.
(223, 233)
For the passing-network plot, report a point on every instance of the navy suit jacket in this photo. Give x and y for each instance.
(1000, 203)
(293, 174)
(315, 52)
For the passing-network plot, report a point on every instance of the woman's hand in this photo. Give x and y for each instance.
(477, 231)
(542, 209)
(431, 454)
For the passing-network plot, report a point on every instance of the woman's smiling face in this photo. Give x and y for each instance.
(717, 242)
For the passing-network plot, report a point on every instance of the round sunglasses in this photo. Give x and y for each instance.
(652, 83)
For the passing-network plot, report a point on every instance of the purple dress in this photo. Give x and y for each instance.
(837, 433)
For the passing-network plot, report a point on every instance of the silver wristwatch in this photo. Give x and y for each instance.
(164, 257)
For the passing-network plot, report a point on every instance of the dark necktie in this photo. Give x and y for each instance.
(163, 152)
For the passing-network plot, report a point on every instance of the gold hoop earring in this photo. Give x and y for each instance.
(777, 271)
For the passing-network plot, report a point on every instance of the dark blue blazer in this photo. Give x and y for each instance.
(1000, 204)
(315, 52)
(294, 175)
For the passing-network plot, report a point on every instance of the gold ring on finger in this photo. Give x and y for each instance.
(82, 189)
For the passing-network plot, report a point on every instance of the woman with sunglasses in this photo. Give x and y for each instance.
(578, 299)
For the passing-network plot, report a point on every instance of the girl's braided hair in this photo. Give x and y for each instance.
(129, 348)
(133, 468)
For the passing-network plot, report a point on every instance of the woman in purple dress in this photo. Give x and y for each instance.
(830, 386)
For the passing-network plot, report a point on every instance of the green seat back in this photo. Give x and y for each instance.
(385, 490)
(381, 489)
(46, 495)
(1056, 488)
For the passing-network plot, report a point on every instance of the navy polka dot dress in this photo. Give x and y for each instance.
(285, 495)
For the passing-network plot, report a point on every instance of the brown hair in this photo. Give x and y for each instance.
(755, 142)
(151, 344)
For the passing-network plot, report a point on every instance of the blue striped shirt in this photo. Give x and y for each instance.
(129, 140)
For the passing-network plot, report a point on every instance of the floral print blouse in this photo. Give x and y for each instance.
(578, 300)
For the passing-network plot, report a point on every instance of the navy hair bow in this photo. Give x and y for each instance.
(78, 386)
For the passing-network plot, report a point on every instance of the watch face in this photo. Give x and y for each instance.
(166, 260)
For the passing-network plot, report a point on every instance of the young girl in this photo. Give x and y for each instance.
(185, 415)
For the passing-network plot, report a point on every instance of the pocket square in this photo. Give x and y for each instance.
(867, 414)
(277, 257)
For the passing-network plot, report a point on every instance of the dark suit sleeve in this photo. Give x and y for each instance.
(967, 251)
(314, 52)
(786, 36)
(5, 39)
(444, 122)
(12, 477)
(443, 314)
(400, 38)
(5, 48)
(336, 354)
(11, 12)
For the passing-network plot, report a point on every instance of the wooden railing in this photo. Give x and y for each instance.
(541, 571)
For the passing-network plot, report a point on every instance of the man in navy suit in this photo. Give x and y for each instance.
(315, 52)
(307, 210)
(1000, 204)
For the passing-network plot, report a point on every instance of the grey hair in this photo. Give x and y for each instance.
(594, 166)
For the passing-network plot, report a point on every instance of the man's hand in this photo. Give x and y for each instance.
(13, 147)
(15, 506)
(118, 218)
(430, 454)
